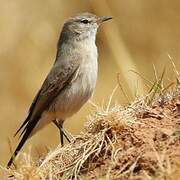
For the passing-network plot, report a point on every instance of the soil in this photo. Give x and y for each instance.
(150, 147)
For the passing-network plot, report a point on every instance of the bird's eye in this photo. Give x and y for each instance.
(85, 21)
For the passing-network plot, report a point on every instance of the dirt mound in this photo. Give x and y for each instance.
(148, 147)
(135, 142)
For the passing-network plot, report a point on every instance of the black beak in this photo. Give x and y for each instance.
(103, 18)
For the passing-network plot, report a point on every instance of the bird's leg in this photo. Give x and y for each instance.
(63, 133)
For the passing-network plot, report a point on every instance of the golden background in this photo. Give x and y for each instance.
(142, 34)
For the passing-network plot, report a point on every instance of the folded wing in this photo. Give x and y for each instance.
(59, 77)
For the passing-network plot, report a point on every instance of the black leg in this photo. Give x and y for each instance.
(65, 134)
(61, 136)
(62, 132)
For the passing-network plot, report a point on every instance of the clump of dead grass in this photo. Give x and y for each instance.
(91, 146)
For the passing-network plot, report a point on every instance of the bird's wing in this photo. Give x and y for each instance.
(59, 77)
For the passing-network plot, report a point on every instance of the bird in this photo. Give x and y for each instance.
(70, 82)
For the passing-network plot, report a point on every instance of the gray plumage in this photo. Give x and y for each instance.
(71, 80)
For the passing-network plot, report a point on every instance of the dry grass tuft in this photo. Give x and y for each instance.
(91, 146)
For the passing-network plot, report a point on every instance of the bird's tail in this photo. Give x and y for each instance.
(26, 133)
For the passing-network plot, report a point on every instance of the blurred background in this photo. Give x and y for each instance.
(142, 35)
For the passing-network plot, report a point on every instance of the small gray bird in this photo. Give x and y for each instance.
(71, 80)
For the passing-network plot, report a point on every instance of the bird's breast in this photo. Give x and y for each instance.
(82, 86)
(86, 78)
(88, 69)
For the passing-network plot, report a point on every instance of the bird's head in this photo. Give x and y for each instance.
(83, 25)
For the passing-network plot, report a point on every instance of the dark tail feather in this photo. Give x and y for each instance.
(27, 131)
(20, 145)
(24, 124)
(29, 114)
